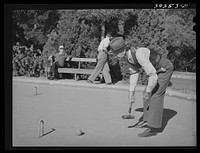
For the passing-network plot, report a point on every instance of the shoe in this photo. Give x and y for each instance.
(55, 78)
(109, 83)
(51, 78)
(141, 125)
(148, 133)
(89, 81)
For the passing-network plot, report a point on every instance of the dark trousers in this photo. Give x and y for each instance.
(153, 108)
(54, 67)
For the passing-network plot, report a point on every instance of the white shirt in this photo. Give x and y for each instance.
(142, 55)
(104, 44)
(129, 56)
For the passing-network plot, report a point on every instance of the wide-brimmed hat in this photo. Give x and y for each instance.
(117, 45)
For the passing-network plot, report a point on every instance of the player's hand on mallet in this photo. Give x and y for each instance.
(162, 69)
(146, 95)
(110, 52)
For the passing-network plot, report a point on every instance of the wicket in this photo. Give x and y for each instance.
(41, 128)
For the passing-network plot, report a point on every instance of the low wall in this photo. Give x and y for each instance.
(183, 80)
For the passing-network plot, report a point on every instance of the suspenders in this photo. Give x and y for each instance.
(132, 57)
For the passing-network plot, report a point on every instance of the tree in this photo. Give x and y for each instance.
(76, 32)
(150, 30)
(32, 26)
(181, 40)
(145, 28)
(81, 31)
(51, 45)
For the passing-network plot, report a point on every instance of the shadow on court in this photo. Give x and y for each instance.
(167, 115)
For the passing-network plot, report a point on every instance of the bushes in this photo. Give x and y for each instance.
(27, 62)
(80, 32)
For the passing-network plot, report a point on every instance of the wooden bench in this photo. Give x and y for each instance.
(78, 70)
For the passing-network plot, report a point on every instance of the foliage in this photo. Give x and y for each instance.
(27, 62)
(181, 39)
(80, 31)
(32, 26)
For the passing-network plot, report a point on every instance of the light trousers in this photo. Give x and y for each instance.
(102, 65)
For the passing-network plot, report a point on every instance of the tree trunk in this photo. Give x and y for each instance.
(121, 27)
(102, 30)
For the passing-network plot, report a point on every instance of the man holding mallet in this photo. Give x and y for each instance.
(136, 58)
(153, 95)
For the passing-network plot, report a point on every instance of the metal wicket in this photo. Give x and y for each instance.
(41, 128)
(35, 90)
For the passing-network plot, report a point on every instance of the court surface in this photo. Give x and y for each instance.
(97, 112)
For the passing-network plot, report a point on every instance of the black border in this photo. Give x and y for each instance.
(132, 5)
(7, 78)
(8, 8)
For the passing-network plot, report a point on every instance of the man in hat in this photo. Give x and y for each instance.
(153, 107)
(153, 95)
(136, 58)
(102, 62)
(57, 60)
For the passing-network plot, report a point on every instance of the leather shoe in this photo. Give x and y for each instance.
(141, 125)
(148, 133)
(89, 81)
(55, 78)
(51, 78)
(109, 83)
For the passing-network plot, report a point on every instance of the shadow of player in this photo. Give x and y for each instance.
(167, 115)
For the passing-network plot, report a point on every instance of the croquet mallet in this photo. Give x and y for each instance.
(129, 116)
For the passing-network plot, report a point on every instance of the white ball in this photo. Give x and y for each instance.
(79, 132)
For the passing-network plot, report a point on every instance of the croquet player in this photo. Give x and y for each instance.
(136, 58)
(153, 107)
(57, 60)
(102, 62)
(153, 95)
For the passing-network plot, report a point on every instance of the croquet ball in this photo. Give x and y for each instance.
(79, 132)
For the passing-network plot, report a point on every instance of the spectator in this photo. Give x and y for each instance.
(57, 60)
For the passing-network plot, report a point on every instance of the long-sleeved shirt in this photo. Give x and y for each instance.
(142, 55)
(59, 57)
(104, 44)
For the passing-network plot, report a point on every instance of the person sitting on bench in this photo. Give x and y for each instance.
(57, 61)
